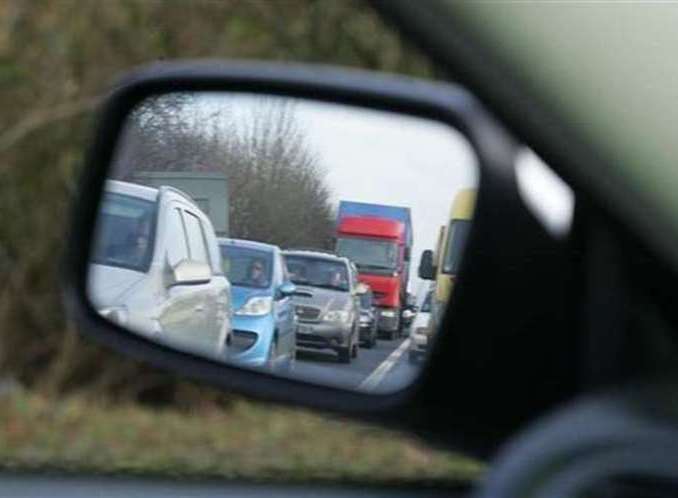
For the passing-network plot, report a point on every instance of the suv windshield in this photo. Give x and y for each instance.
(369, 254)
(317, 272)
(456, 240)
(125, 232)
(247, 267)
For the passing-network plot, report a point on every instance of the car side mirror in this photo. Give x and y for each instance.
(361, 289)
(426, 268)
(188, 272)
(302, 293)
(444, 116)
(287, 289)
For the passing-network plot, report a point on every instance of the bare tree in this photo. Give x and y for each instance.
(278, 189)
(161, 135)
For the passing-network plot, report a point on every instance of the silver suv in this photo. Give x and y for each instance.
(326, 302)
(156, 268)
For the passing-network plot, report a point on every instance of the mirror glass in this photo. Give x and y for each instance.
(309, 239)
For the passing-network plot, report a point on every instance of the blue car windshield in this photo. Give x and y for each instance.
(247, 267)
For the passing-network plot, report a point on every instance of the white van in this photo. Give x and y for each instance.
(421, 329)
(156, 268)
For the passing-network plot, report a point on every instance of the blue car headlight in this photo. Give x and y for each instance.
(256, 306)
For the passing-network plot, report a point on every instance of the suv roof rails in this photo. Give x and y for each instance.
(319, 252)
(168, 188)
(312, 249)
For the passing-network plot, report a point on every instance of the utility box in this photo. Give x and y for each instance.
(209, 190)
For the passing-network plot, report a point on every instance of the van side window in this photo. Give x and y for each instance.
(196, 239)
(175, 240)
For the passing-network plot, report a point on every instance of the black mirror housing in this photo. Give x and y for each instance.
(467, 420)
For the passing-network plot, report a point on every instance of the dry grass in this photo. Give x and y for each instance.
(248, 441)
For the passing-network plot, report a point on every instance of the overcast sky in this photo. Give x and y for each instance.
(379, 157)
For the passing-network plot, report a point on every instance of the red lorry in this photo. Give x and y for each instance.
(378, 239)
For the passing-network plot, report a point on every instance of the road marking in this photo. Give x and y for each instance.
(378, 374)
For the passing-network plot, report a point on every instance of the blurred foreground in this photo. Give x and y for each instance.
(246, 440)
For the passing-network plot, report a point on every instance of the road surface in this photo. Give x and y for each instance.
(383, 368)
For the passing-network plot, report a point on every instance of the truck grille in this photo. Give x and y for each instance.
(307, 313)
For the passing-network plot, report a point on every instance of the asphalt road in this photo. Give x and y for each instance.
(383, 368)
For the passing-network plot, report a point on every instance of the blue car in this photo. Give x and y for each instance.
(264, 322)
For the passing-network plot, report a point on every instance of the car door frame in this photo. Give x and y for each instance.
(178, 298)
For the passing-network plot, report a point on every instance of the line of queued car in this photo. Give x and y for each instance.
(158, 268)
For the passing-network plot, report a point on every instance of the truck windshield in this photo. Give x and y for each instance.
(317, 272)
(369, 254)
(246, 267)
(456, 241)
(125, 232)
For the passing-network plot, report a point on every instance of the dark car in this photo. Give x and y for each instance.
(368, 320)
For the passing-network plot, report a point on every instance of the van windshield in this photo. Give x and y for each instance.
(457, 234)
(125, 232)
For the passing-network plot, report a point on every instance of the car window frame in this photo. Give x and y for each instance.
(188, 212)
(175, 207)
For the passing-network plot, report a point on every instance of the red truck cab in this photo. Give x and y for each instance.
(378, 248)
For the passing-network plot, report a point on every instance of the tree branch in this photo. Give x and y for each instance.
(44, 117)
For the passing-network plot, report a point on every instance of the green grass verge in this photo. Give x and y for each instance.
(246, 441)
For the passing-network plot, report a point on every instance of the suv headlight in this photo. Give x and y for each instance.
(256, 306)
(337, 316)
(116, 314)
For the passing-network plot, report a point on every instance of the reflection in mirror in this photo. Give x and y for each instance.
(313, 240)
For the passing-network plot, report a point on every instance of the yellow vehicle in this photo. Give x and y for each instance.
(442, 264)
